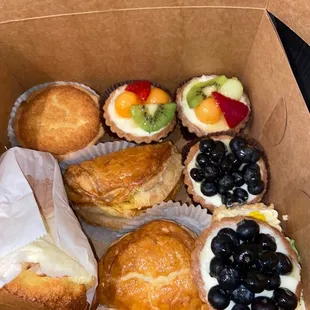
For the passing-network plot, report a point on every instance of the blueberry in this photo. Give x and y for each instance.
(218, 298)
(230, 199)
(273, 281)
(284, 265)
(247, 230)
(231, 234)
(206, 146)
(242, 295)
(234, 160)
(226, 183)
(255, 281)
(268, 261)
(208, 189)
(216, 266)
(229, 278)
(196, 175)
(241, 194)
(263, 303)
(211, 172)
(201, 160)
(245, 255)
(218, 153)
(221, 146)
(256, 189)
(240, 307)
(285, 299)
(266, 241)
(248, 154)
(238, 178)
(237, 144)
(252, 174)
(222, 246)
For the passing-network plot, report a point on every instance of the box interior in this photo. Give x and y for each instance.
(167, 43)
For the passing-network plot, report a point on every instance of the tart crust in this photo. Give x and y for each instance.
(200, 243)
(128, 136)
(192, 127)
(220, 136)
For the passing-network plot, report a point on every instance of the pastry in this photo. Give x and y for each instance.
(226, 169)
(140, 112)
(58, 119)
(149, 269)
(120, 185)
(211, 103)
(244, 262)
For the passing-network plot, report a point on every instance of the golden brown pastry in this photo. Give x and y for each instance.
(58, 119)
(119, 185)
(149, 269)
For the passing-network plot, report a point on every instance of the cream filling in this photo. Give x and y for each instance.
(216, 199)
(127, 125)
(190, 114)
(289, 281)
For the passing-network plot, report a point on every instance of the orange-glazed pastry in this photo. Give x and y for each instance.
(149, 269)
(140, 112)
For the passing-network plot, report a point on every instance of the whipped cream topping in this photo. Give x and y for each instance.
(190, 114)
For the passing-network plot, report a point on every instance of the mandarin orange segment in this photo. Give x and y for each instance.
(158, 96)
(124, 102)
(208, 111)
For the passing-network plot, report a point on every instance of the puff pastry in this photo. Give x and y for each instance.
(123, 183)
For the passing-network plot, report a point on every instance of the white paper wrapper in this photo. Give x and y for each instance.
(30, 182)
(25, 95)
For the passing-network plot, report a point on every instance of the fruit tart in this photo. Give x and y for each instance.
(140, 112)
(244, 263)
(211, 103)
(226, 169)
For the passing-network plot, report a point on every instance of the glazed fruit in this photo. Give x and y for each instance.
(266, 241)
(285, 299)
(273, 281)
(241, 194)
(202, 160)
(237, 143)
(140, 88)
(208, 189)
(263, 303)
(196, 174)
(238, 178)
(242, 296)
(255, 281)
(247, 230)
(231, 234)
(268, 261)
(229, 278)
(234, 111)
(228, 199)
(153, 117)
(225, 184)
(216, 266)
(206, 146)
(222, 246)
(244, 255)
(284, 265)
(158, 96)
(208, 112)
(196, 94)
(218, 298)
(252, 174)
(211, 172)
(232, 88)
(257, 188)
(248, 154)
(124, 102)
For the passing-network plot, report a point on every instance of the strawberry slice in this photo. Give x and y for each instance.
(140, 88)
(234, 111)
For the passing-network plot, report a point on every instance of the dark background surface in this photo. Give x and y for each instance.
(298, 53)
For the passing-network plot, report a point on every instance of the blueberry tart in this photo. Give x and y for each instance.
(244, 263)
(211, 103)
(226, 169)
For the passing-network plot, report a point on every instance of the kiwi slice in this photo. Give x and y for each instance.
(196, 93)
(152, 117)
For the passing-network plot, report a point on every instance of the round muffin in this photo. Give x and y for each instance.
(58, 119)
(212, 103)
(149, 268)
(227, 169)
(139, 111)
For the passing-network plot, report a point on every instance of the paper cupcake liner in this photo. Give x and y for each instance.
(25, 95)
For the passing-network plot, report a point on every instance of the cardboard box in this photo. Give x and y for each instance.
(99, 43)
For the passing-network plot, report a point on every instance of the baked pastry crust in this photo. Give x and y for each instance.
(200, 243)
(192, 127)
(188, 181)
(128, 136)
(58, 119)
(120, 184)
(31, 291)
(148, 269)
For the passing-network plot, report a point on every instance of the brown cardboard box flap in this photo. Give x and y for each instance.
(294, 14)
